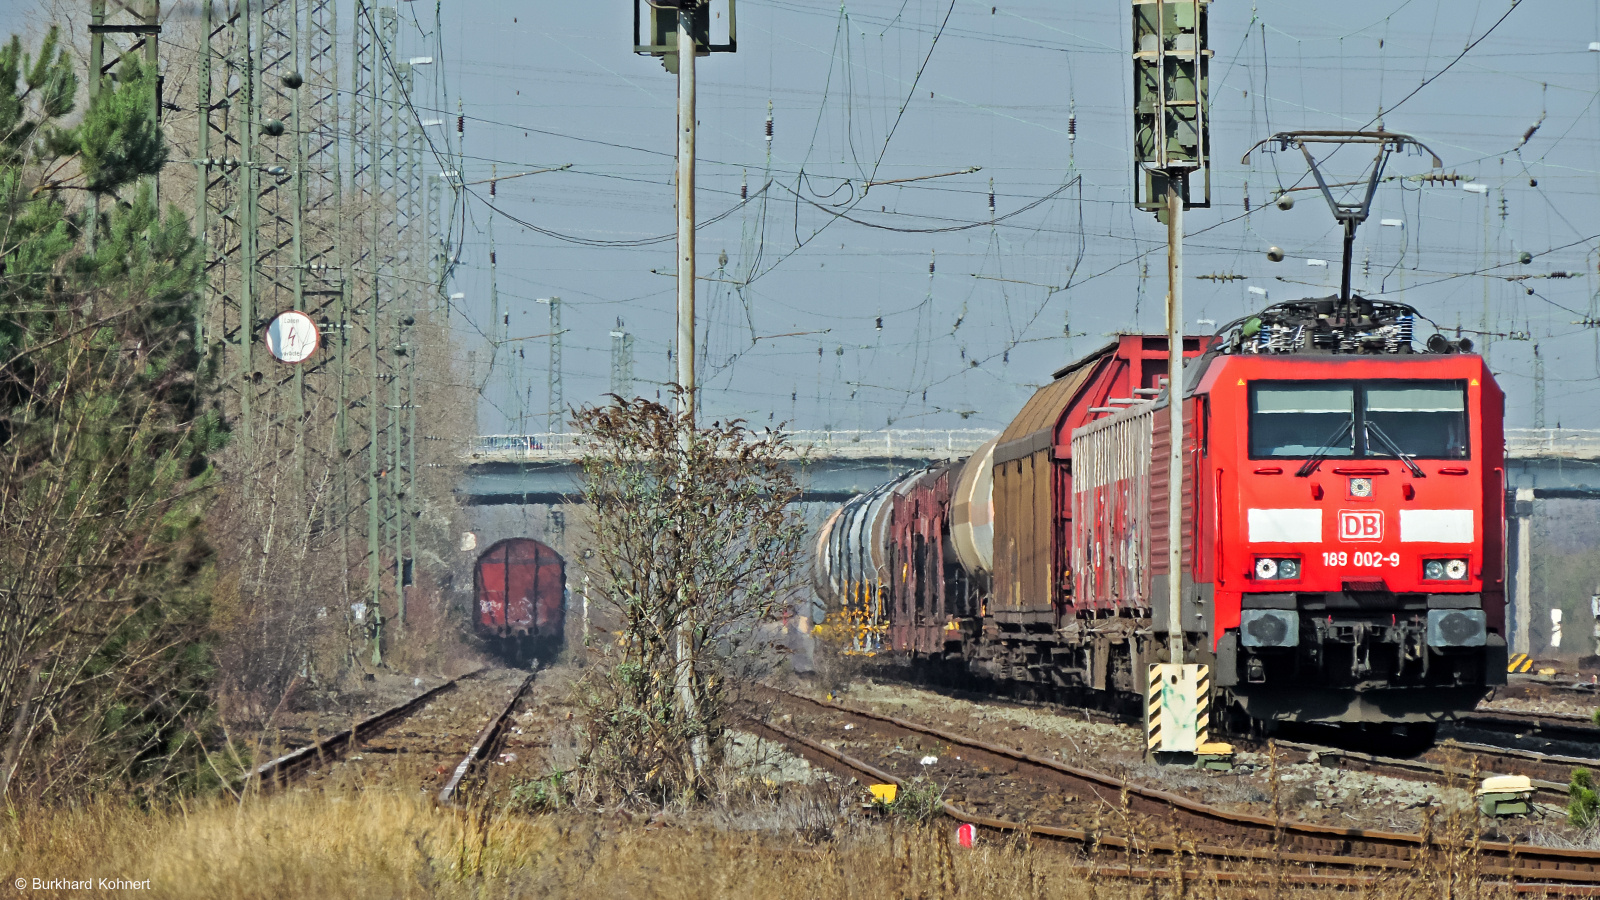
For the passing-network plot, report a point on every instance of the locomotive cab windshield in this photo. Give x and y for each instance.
(1382, 419)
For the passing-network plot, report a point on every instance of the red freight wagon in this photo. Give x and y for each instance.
(521, 592)
(1343, 509)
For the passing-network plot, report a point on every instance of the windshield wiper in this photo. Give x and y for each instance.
(1310, 465)
(1372, 428)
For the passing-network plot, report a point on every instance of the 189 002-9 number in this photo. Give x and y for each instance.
(1365, 558)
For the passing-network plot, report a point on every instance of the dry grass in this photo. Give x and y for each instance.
(378, 844)
(389, 845)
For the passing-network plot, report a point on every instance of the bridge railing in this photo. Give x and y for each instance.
(1564, 443)
(955, 443)
(914, 443)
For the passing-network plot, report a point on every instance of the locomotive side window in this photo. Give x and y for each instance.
(1301, 418)
(1425, 419)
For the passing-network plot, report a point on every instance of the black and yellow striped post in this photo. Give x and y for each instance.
(1177, 709)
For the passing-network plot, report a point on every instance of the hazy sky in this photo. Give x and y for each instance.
(861, 91)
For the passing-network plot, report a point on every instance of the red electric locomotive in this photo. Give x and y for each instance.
(1342, 526)
(520, 586)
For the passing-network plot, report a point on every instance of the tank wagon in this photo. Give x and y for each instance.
(1343, 526)
(520, 589)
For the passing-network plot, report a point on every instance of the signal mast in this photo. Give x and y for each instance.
(1172, 173)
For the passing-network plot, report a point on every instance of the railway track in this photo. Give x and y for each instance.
(1226, 836)
(421, 740)
(472, 763)
(1566, 728)
(1453, 763)
(1551, 772)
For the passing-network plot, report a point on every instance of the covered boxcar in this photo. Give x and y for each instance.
(520, 586)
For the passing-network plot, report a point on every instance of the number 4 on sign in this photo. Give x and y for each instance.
(292, 337)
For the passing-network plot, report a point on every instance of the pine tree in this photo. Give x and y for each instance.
(105, 428)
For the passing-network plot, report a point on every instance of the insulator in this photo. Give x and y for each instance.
(492, 186)
(991, 198)
(1072, 126)
(491, 257)
(930, 263)
(1247, 197)
(769, 126)
(461, 124)
(880, 323)
(744, 187)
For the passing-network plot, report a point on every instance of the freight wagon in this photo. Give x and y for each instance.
(1342, 522)
(520, 590)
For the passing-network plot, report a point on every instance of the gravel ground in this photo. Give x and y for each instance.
(542, 739)
(311, 715)
(1307, 791)
(1532, 696)
(421, 751)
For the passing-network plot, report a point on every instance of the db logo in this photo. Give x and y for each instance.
(1360, 525)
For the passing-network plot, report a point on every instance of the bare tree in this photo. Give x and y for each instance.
(695, 547)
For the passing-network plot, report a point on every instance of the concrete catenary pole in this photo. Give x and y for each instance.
(685, 342)
(686, 126)
(1175, 411)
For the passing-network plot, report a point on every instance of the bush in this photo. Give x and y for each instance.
(1583, 809)
(918, 801)
(542, 795)
(695, 548)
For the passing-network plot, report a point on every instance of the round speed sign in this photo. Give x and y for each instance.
(292, 337)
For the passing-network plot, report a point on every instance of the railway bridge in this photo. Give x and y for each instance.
(1541, 464)
(832, 465)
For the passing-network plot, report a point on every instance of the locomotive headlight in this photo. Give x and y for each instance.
(1444, 569)
(1269, 569)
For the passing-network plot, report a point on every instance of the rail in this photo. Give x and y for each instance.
(1319, 845)
(277, 772)
(481, 747)
(1554, 726)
